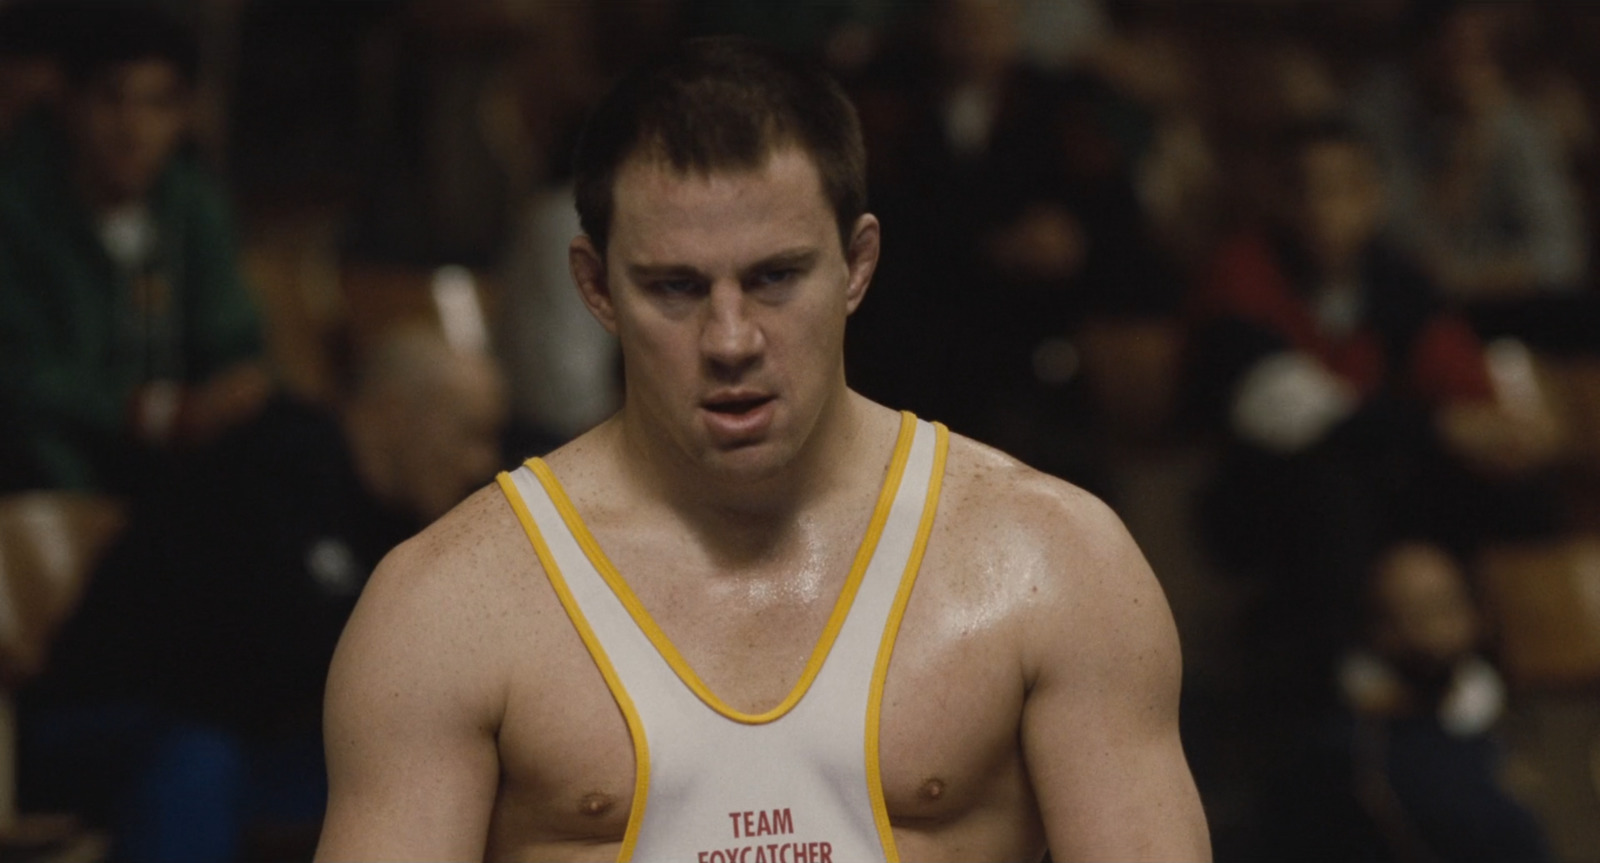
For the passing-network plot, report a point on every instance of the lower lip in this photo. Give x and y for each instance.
(740, 426)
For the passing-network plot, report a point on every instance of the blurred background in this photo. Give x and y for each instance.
(1303, 288)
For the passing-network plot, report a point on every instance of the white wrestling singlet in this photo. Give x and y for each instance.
(797, 784)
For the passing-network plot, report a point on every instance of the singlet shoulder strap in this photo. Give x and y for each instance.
(596, 557)
(558, 555)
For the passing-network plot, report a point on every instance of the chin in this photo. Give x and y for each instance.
(750, 462)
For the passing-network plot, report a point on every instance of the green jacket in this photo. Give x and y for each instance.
(78, 335)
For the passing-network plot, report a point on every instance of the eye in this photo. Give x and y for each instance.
(675, 287)
(767, 278)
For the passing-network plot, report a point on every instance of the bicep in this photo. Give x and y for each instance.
(409, 728)
(1100, 725)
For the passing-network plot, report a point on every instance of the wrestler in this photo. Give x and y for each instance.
(755, 617)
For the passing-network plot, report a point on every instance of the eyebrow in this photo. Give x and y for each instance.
(801, 258)
(652, 272)
(798, 259)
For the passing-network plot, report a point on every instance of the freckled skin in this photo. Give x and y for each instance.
(1032, 698)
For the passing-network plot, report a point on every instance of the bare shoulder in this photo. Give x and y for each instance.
(417, 692)
(1098, 654)
(1061, 551)
(440, 604)
(1004, 509)
(460, 566)
(987, 479)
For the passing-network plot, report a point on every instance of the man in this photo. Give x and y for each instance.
(508, 690)
(184, 699)
(1354, 408)
(124, 324)
(1409, 764)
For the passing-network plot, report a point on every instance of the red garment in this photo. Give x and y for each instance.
(1247, 282)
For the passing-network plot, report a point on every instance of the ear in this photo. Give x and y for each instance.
(589, 274)
(862, 259)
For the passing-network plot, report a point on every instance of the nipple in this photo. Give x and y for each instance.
(596, 803)
(932, 789)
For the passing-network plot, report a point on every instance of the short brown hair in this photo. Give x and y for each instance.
(719, 103)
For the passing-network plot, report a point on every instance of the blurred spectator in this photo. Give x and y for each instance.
(1178, 177)
(1352, 406)
(1410, 768)
(563, 366)
(184, 700)
(1007, 191)
(1484, 192)
(124, 325)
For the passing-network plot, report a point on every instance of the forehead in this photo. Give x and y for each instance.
(661, 213)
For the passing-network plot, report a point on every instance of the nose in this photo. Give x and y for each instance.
(730, 337)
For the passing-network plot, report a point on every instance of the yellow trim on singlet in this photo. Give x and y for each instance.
(880, 671)
(841, 608)
(630, 714)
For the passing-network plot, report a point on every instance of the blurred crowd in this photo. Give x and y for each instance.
(281, 282)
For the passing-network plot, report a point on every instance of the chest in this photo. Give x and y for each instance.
(951, 703)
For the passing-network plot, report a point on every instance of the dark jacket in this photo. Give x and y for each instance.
(74, 344)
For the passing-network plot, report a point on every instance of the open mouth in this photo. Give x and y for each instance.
(737, 406)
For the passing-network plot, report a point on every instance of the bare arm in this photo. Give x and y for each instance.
(413, 708)
(1100, 724)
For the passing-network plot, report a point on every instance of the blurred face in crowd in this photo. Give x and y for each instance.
(1427, 619)
(1341, 202)
(425, 425)
(728, 293)
(127, 122)
(446, 439)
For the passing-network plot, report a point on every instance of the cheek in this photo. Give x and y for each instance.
(479, 453)
(659, 351)
(419, 456)
(817, 336)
